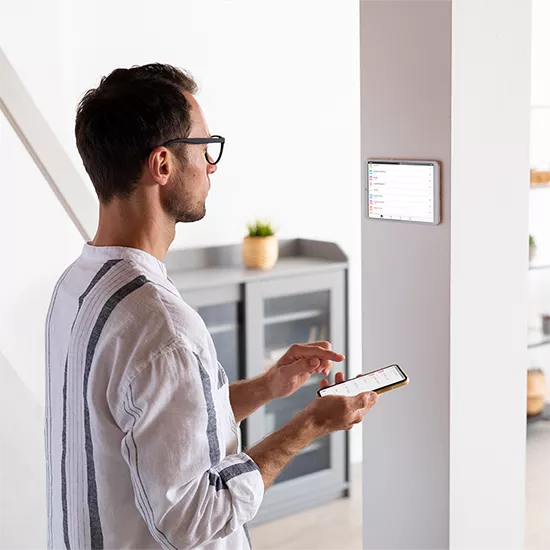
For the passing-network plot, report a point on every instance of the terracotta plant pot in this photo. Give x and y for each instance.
(535, 405)
(260, 252)
(536, 391)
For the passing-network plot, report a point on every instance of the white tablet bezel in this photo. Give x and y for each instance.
(436, 188)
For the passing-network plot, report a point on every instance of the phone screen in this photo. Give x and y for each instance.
(373, 381)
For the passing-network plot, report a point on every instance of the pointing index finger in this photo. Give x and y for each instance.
(321, 353)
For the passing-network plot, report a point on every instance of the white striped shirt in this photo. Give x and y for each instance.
(141, 441)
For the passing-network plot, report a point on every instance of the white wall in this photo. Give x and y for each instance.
(21, 481)
(278, 79)
(490, 199)
(406, 104)
(540, 86)
(286, 98)
(38, 241)
(539, 199)
(37, 238)
(446, 455)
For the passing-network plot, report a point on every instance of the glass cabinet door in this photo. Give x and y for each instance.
(287, 320)
(280, 313)
(223, 321)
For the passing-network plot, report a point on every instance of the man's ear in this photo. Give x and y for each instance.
(160, 165)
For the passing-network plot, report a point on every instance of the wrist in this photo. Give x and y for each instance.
(268, 384)
(263, 387)
(306, 422)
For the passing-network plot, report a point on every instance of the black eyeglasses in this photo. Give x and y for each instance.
(214, 147)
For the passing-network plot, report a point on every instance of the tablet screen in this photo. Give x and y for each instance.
(398, 190)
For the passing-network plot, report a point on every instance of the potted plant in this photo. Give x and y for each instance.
(260, 246)
(532, 248)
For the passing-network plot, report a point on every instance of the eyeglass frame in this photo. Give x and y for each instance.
(200, 141)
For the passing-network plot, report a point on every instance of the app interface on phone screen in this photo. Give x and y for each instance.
(369, 382)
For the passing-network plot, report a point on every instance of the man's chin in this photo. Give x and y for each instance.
(190, 217)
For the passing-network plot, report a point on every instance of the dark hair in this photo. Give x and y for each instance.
(120, 122)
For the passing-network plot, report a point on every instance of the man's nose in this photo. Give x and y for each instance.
(211, 168)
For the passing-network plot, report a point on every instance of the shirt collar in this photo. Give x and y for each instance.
(104, 253)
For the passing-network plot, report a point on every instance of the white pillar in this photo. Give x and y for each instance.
(444, 458)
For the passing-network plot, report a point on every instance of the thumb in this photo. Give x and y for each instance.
(366, 400)
(314, 362)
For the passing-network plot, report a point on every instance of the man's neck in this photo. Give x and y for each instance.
(120, 225)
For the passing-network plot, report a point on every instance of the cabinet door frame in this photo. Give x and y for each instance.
(204, 297)
(311, 487)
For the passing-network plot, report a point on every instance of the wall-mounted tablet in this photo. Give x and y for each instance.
(403, 190)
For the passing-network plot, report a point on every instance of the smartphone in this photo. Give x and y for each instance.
(379, 381)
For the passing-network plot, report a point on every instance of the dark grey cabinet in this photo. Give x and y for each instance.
(253, 317)
(304, 308)
(224, 323)
(221, 309)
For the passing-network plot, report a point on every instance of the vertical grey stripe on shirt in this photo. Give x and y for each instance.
(222, 377)
(63, 462)
(48, 427)
(245, 527)
(96, 532)
(106, 266)
(211, 426)
(147, 511)
(134, 412)
(104, 269)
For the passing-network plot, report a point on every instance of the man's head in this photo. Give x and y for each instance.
(120, 130)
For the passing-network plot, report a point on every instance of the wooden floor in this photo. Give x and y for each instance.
(334, 525)
(338, 525)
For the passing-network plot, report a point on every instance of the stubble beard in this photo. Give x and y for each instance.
(180, 205)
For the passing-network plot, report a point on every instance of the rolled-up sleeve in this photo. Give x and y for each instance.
(185, 491)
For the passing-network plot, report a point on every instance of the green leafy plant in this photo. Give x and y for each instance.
(260, 229)
(532, 241)
(538, 370)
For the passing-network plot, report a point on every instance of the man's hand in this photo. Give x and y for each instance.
(290, 373)
(337, 412)
(297, 365)
(322, 416)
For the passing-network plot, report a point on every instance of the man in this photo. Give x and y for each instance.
(141, 425)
